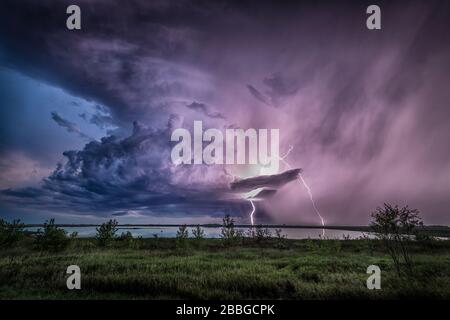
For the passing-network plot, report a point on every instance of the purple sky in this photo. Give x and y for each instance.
(367, 112)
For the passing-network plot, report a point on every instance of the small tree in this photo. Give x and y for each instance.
(279, 234)
(10, 232)
(182, 235)
(73, 235)
(106, 233)
(280, 239)
(198, 232)
(395, 227)
(228, 231)
(182, 232)
(52, 238)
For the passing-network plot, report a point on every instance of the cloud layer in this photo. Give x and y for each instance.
(365, 111)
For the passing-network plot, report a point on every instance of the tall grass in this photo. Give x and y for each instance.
(159, 268)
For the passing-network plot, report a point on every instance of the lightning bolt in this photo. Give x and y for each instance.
(252, 193)
(308, 189)
(248, 196)
(312, 199)
(253, 210)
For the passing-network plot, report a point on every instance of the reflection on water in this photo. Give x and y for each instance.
(170, 232)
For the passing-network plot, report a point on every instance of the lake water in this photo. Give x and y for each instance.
(170, 232)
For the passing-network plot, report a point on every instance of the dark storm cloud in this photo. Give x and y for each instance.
(131, 68)
(100, 118)
(69, 126)
(114, 173)
(120, 214)
(362, 108)
(278, 87)
(102, 121)
(271, 181)
(258, 95)
(28, 192)
(204, 109)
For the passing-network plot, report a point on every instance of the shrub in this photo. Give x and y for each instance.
(280, 239)
(10, 232)
(51, 238)
(125, 236)
(262, 233)
(182, 235)
(182, 232)
(279, 234)
(106, 233)
(198, 232)
(84, 244)
(127, 239)
(228, 231)
(395, 227)
(311, 245)
(258, 233)
(423, 235)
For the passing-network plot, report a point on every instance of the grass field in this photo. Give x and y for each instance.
(212, 269)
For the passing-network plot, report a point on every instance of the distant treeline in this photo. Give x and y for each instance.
(432, 230)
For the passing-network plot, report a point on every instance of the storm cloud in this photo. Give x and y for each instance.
(205, 110)
(270, 181)
(366, 112)
(69, 126)
(133, 173)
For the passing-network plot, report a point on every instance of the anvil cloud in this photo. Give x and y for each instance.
(367, 112)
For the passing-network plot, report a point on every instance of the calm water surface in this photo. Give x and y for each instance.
(170, 232)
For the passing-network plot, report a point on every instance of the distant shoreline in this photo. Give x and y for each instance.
(211, 225)
(437, 230)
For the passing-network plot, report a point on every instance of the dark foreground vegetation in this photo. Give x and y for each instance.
(209, 269)
(256, 265)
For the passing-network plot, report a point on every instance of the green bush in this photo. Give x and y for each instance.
(51, 238)
(395, 227)
(106, 233)
(198, 232)
(280, 239)
(423, 236)
(258, 233)
(10, 232)
(127, 240)
(182, 235)
(182, 232)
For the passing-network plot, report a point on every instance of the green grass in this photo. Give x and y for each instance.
(210, 269)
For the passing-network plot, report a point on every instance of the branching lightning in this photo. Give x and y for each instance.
(308, 189)
(249, 195)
